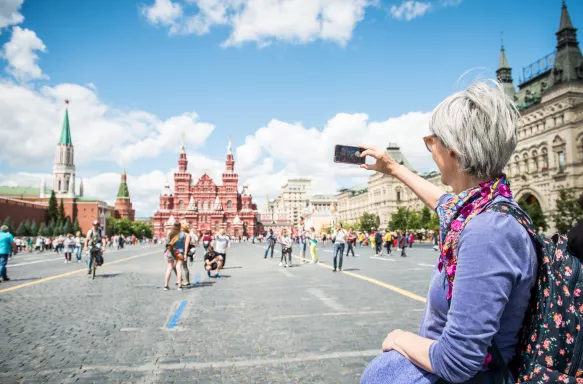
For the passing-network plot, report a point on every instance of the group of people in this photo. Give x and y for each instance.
(305, 239)
(181, 244)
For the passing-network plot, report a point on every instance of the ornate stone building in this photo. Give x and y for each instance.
(549, 155)
(206, 205)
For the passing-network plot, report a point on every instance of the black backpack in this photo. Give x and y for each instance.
(550, 345)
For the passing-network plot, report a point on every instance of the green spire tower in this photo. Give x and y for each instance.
(66, 130)
(64, 166)
(123, 191)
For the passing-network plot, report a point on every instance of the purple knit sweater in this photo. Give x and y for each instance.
(495, 273)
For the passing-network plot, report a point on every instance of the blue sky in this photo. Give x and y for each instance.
(385, 68)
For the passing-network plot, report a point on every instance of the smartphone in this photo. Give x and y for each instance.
(348, 155)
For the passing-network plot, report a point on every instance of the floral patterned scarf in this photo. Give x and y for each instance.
(456, 213)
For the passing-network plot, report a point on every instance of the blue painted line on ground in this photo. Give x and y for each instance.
(177, 315)
(197, 279)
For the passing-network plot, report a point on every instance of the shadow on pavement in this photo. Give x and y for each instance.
(199, 285)
(14, 280)
(232, 268)
(107, 276)
(351, 269)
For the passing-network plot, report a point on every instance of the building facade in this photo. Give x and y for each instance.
(294, 198)
(22, 203)
(549, 155)
(206, 205)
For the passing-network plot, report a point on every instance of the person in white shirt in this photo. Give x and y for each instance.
(339, 239)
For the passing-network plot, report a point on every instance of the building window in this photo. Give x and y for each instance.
(561, 156)
(398, 195)
(180, 204)
(229, 204)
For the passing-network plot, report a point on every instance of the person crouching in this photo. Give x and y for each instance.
(213, 261)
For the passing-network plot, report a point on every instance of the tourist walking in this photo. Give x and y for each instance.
(7, 247)
(303, 241)
(222, 242)
(68, 247)
(184, 228)
(402, 243)
(388, 241)
(469, 308)
(78, 246)
(339, 239)
(378, 241)
(286, 248)
(313, 243)
(270, 239)
(175, 254)
(350, 242)
(411, 238)
(206, 240)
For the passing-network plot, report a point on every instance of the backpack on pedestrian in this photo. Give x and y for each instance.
(550, 345)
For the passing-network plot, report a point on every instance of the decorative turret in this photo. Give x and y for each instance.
(182, 160)
(568, 62)
(191, 204)
(230, 159)
(123, 204)
(123, 192)
(504, 74)
(64, 166)
(217, 206)
(81, 188)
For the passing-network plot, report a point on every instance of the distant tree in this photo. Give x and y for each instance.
(533, 209)
(21, 230)
(50, 228)
(425, 217)
(434, 222)
(42, 230)
(7, 222)
(378, 221)
(67, 226)
(53, 209)
(367, 222)
(58, 228)
(33, 229)
(399, 220)
(76, 227)
(61, 213)
(27, 228)
(568, 211)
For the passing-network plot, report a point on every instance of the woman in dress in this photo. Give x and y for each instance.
(176, 251)
(480, 288)
(68, 246)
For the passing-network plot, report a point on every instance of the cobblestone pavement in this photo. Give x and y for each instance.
(258, 324)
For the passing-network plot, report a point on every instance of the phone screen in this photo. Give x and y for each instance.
(348, 155)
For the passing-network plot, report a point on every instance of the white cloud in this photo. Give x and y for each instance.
(263, 21)
(31, 119)
(308, 152)
(20, 52)
(408, 10)
(162, 12)
(9, 13)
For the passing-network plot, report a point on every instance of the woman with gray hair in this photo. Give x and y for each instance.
(481, 286)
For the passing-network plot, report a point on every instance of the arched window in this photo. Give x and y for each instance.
(181, 204)
(206, 205)
(59, 186)
(229, 204)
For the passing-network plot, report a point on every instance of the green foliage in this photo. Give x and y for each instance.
(7, 222)
(535, 212)
(53, 209)
(399, 220)
(433, 223)
(26, 227)
(21, 230)
(58, 228)
(76, 227)
(67, 226)
(568, 211)
(42, 230)
(128, 228)
(367, 222)
(425, 217)
(61, 213)
(33, 230)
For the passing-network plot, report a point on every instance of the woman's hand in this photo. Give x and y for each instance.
(384, 162)
(389, 343)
